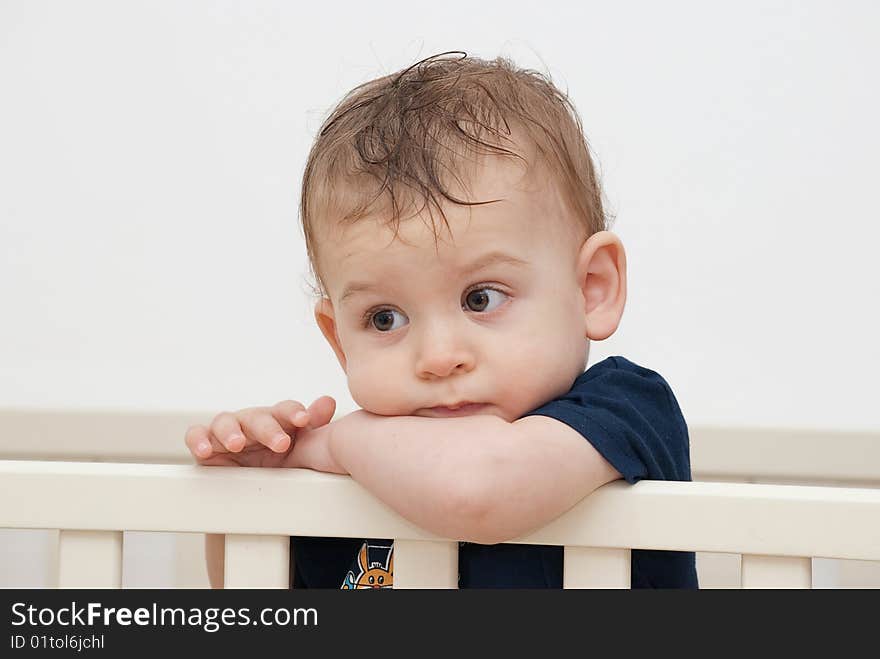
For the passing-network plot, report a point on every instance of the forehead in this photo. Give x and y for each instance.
(525, 218)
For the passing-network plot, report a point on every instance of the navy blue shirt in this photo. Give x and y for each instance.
(628, 413)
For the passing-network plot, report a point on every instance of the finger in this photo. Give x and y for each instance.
(261, 427)
(292, 415)
(198, 441)
(321, 411)
(226, 429)
(288, 414)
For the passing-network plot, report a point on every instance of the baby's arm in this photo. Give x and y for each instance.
(477, 478)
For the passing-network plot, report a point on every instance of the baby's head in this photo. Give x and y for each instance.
(455, 230)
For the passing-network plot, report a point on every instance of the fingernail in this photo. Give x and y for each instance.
(236, 439)
(204, 448)
(300, 416)
(278, 442)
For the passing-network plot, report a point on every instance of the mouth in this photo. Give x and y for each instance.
(459, 410)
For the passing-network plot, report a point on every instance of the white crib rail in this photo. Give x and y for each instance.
(777, 528)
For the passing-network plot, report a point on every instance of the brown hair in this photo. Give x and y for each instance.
(398, 140)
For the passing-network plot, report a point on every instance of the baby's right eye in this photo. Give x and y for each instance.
(383, 319)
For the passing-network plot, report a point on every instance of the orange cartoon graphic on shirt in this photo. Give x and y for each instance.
(375, 574)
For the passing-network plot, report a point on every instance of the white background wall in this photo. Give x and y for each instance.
(150, 157)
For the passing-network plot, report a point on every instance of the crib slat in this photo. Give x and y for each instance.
(89, 559)
(596, 567)
(257, 561)
(776, 571)
(425, 564)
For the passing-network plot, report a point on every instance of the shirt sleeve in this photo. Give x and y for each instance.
(630, 415)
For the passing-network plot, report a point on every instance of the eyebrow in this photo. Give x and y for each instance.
(484, 261)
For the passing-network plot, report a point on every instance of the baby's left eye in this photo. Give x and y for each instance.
(479, 299)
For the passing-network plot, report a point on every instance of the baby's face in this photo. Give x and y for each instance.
(493, 314)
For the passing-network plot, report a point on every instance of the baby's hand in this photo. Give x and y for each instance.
(256, 436)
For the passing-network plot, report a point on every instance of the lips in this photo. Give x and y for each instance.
(462, 409)
(460, 404)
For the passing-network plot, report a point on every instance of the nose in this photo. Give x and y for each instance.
(442, 354)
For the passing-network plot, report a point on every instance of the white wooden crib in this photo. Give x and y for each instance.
(766, 508)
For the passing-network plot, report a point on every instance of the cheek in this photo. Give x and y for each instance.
(376, 384)
(540, 362)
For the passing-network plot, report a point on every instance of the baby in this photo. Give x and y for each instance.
(455, 229)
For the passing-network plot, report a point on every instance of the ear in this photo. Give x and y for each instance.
(601, 272)
(325, 316)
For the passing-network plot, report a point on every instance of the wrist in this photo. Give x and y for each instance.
(333, 440)
(343, 434)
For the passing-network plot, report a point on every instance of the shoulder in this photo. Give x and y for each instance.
(620, 384)
(627, 387)
(630, 415)
(622, 373)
